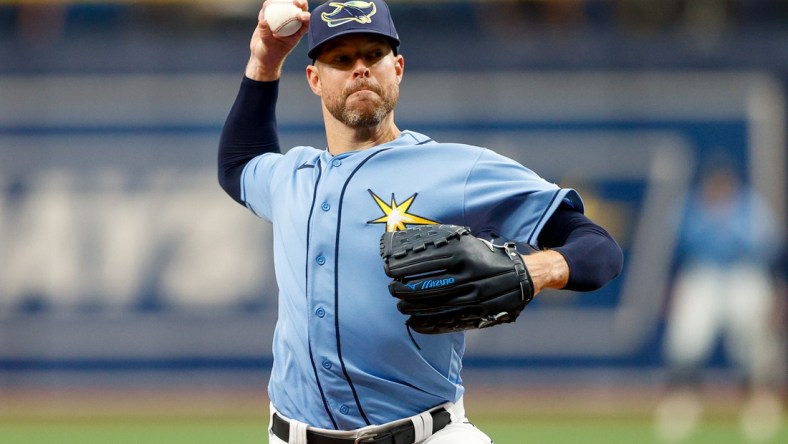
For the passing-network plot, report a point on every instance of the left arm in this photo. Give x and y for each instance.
(579, 254)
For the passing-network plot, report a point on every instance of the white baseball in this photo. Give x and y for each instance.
(282, 18)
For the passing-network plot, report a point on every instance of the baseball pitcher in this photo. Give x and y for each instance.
(388, 245)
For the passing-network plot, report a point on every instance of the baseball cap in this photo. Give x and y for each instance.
(335, 18)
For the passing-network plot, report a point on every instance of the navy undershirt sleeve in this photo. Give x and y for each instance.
(593, 256)
(250, 130)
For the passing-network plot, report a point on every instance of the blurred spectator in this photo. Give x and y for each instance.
(728, 246)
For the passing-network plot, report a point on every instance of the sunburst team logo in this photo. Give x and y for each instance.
(352, 11)
(396, 216)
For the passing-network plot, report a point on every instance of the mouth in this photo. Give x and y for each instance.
(363, 89)
(363, 95)
(362, 92)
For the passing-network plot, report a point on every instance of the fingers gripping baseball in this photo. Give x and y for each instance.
(283, 18)
(448, 280)
(269, 48)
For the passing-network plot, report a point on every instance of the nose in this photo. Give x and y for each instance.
(360, 69)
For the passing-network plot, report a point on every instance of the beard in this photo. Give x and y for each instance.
(367, 114)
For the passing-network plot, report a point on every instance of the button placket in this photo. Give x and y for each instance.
(326, 359)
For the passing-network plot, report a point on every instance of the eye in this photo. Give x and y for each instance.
(375, 54)
(340, 59)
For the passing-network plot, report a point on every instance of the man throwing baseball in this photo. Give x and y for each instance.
(382, 212)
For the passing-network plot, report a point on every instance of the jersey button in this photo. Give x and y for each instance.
(344, 410)
(320, 260)
(336, 162)
(325, 206)
(326, 364)
(320, 312)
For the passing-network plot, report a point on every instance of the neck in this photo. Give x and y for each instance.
(342, 138)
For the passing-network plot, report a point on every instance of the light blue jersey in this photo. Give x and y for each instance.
(343, 357)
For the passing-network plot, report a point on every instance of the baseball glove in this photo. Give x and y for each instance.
(447, 280)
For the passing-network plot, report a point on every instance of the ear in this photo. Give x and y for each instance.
(313, 78)
(399, 67)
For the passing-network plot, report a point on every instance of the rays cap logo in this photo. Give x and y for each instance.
(335, 18)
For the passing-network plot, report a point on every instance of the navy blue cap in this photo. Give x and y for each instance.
(335, 18)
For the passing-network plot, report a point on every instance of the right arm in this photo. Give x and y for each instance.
(250, 128)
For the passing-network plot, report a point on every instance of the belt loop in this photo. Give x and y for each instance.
(427, 417)
(456, 410)
(297, 432)
(422, 426)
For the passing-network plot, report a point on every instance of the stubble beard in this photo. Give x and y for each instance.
(363, 116)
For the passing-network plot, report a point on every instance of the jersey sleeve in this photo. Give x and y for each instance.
(505, 199)
(256, 182)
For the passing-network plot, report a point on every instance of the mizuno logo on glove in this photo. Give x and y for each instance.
(431, 283)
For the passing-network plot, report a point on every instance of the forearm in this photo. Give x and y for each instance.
(249, 131)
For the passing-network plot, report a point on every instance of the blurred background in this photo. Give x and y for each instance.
(122, 317)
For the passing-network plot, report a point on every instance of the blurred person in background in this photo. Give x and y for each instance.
(729, 244)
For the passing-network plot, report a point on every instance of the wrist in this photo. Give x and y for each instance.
(548, 269)
(262, 72)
